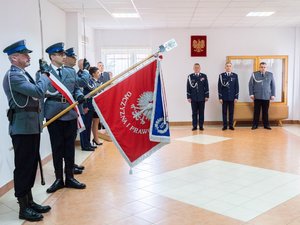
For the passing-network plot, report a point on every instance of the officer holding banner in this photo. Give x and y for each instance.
(23, 95)
(63, 131)
(82, 80)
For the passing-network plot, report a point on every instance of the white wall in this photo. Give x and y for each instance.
(295, 86)
(177, 64)
(72, 31)
(75, 34)
(20, 20)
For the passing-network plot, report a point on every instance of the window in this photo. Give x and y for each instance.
(118, 60)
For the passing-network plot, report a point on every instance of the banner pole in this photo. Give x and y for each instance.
(41, 28)
(169, 45)
(42, 49)
(98, 89)
(84, 34)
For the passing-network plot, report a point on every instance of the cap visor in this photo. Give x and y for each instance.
(25, 51)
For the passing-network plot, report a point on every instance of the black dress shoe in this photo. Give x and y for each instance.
(268, 128)
(88, 149)
(39, 208)
(254, 127)
(201, 128)
(79, 167)
(224, 128)
(77, 171)
(93, 146)
(73, 183)
(58, 184)
(194, 128)
(231, 128)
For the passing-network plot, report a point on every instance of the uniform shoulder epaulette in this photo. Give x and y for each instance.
(70, 68)
(13, 69)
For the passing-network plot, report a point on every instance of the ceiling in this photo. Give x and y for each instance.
(184, 13)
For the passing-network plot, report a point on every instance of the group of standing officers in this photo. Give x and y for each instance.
(30, 101)
(261, 91)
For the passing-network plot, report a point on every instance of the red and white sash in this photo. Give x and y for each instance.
(66, 93)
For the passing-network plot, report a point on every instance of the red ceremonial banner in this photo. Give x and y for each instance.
(198, 46)
(126, 110)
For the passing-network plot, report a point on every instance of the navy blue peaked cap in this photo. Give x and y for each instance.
(18, 47)
(58, 47)
(70, 52)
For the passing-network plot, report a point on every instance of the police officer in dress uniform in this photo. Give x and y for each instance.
(85, 135)
(104, 76)
(197, 94)
(261, 91)
(228, 88)
(91, 115)
(63, 131)
(23, 95)
(70, 62)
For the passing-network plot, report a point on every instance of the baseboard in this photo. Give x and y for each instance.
(189, 123)
(7, 187)
(291, 121)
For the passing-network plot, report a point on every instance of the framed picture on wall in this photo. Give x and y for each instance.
(198, 46)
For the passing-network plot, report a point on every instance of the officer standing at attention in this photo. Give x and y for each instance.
(62, 131)
(197, 94)
(23, 95)
(261, 91)
(228, 88)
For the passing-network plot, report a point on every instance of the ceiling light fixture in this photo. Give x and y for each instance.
(125, 15)
(260, 13)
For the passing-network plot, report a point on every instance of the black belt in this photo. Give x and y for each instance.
(27, 109)
(61, 99)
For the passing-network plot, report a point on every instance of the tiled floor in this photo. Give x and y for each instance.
(209, 177)
(293, 129)
(203, 139)
(9, 207)
(234, 190)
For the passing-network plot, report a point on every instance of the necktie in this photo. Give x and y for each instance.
(30, 78)
(59, 72)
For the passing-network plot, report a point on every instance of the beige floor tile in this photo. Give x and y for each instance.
(114, 197)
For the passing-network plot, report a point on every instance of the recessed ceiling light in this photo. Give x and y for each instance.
(260, 13)
(125, 15)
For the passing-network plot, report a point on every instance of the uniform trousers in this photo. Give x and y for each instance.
(228, 106)
(62, 138)
(26, 149)
(85, 136)
(264, 105)
(198, 113)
